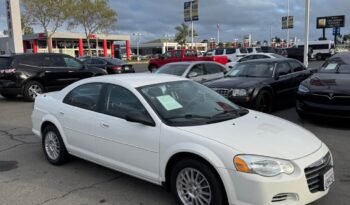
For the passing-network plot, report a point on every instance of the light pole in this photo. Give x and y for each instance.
(307, 32)
(138, 35)
(288, 24)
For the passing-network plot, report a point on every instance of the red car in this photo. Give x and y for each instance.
(182, 55)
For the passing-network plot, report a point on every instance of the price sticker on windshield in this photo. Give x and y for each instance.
(169, 103)
(331, 66)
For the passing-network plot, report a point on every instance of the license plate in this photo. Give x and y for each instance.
(328, 179)
(126, 68)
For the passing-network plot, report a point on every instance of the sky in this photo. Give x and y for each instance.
(156, 18)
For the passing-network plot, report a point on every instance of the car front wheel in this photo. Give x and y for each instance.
(53, 146)
(194, 182)
(32, 89)
(264, 102)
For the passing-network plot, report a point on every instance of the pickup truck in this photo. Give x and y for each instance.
(182, 55)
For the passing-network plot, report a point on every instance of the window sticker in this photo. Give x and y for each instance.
(169, 103)
(331, 66)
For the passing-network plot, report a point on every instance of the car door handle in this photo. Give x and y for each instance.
(104, 125)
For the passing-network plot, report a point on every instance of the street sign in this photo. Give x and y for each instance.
(336, 31)
(191, 11)
(330, 22)
(287, 22)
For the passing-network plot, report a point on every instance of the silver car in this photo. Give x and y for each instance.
(199, 71)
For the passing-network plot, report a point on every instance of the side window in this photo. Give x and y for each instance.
(72, 63)
(168, 54)
(261, 57)
(219, 52)
(53, 61)
(296, 67)
(199, 69)
(283, 69)
(212, 68)
(95, 61)
(230, 51)
(247, 58)
(85, 96)
(120, 101)
(32, 61)
(177, 54)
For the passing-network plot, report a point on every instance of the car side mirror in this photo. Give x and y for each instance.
(139, 117)
(193, 74)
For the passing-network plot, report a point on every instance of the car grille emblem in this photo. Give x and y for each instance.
(331, 96)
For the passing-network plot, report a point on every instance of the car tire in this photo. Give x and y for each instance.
(9, 96)
(187, 190)
(32, 89)
(54, 148)
(263, 102)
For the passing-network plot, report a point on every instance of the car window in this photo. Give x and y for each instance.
(29, 61)
(260, 57)
(96, 61)
(243, 50)
(53, 61)
(5, 62)
(230, 51)
(173, 69)
(250, 50)
(85, 96)
(212, 68)
(119, 102)
(247, 58)
(177, 54)
(219, 52)
(72, 63)
(190, 53)
(296, 67)
(199, 69)
(168, 54)
(283, 69)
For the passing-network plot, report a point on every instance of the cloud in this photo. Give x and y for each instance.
(155, 18)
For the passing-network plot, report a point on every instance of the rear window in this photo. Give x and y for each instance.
(177, 69)
(219, 52)
(230, 50)
(243, 50)
(5, 62)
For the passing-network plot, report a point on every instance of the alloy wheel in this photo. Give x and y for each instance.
(52, 145)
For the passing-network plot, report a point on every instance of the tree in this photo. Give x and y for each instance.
(183, 32)
(228, 44)
(221, 45)
(93, 16)
(49, 14)
(27, 22)
(205, 41)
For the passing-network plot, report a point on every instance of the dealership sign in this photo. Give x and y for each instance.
(191, 11)
(287, 22)
(331, 22)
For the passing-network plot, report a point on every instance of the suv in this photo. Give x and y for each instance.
(233, 54)
(32, 74)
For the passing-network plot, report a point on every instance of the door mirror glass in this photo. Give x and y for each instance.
(139, 117)
(193, 75)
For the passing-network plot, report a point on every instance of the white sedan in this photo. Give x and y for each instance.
(254, 56)
(175, 132)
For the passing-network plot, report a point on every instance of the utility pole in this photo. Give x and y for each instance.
(307, 32)
(218, 27)
(138, 35)
(288, 24)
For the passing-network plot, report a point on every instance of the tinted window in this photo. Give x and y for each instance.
(115, 61)
(5, 62)
(243, 50)
(212, 68)
(120, 101)
(250, 50)
(219, 52)
(29, 60)
(96, 61)
(344, 69)
(284, 69)
(247, 58)
(168, 54)
(259, 50)
(263, 70)
(85, 96)
(260, 57)
(173, 69)
(199, 69)
(53, 61)
(296, 67)
(177, 54)
(72, 63)
(230, 50)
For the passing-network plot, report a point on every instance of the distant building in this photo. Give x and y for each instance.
(159, 46)
(74, 44)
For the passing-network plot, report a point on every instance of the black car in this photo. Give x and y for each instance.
(33, 74)
(111, 65)
(257, 84)
(327, 93)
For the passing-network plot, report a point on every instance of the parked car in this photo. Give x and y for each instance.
(181, 56)
(257, 84)
(177, 133)
(268, 49)
(32, 74)
(319, 50)
(297, 53)
(199, 71)
(233, 54)
(254, 50)
(327, 93)
(254, 57)
(111, 65)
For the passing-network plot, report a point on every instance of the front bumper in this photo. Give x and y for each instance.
(252, 189)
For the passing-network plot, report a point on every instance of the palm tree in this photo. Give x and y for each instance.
(183, 31)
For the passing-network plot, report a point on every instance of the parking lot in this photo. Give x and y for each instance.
(27, 178)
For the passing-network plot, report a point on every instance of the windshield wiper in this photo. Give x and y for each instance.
(188, 116)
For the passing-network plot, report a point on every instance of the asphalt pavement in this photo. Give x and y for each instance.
(26, 177)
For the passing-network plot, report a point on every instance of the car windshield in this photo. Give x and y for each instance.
(259, 50)
(115, 61)
(186, 103)
(258, 69)
(173, 69)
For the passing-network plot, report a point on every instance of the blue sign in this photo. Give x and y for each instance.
(336, 31)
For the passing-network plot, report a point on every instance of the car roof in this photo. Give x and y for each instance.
(269, 60)
(135, 80)
(341, 57)
(39, 54)
(190, 62)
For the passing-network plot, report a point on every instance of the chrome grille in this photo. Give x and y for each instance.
(222, 91)
(315, 171)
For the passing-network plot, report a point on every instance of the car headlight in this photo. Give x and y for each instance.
(264, 166)
(239, 92)
(303, 89)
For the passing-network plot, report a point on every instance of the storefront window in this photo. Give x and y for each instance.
(42, 44)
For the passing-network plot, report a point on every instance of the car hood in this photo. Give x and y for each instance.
(236, 82)
(261, 134)
(329, 82)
